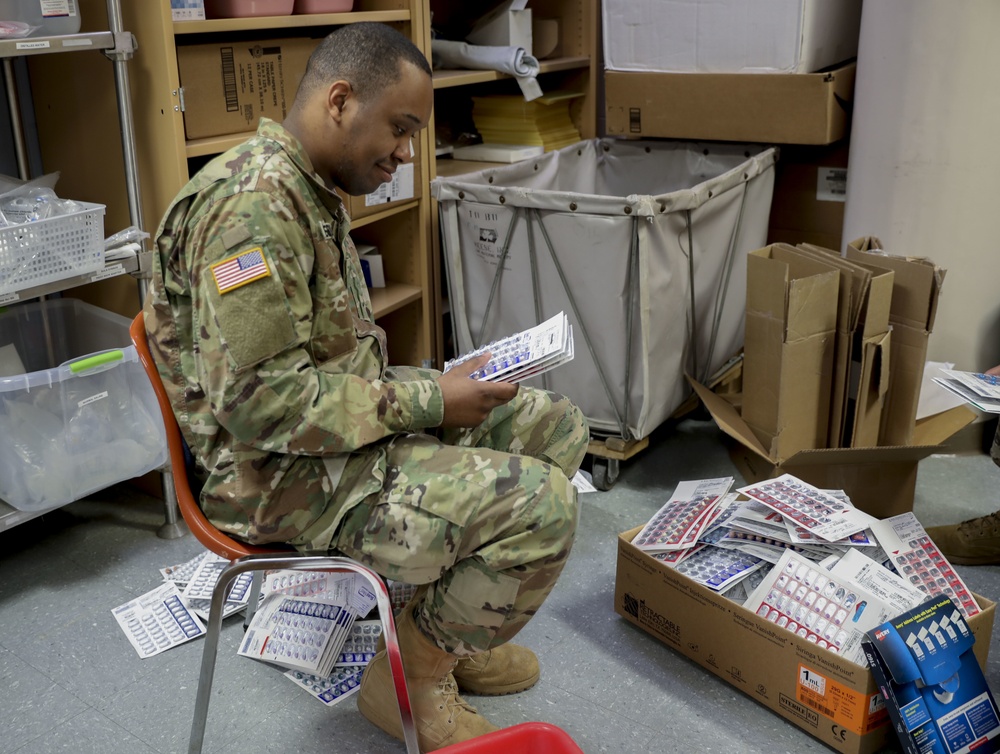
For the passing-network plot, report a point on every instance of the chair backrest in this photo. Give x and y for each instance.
(203, 530)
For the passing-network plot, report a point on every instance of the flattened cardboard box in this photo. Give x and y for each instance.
(915, 293)
(791, 322)
(836, 701)
(879, 480)
(770, 108)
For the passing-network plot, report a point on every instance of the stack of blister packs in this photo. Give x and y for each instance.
(804, 558)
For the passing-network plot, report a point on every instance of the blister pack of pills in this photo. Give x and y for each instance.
(331, 689)
(202, 582)
(679, 522)
(813, 509)
(717, 568)
(158, 620)
(361, 643)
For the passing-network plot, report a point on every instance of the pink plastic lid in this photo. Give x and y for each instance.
(247, 8)
(324, 6)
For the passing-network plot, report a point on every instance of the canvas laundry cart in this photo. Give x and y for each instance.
(641, 243)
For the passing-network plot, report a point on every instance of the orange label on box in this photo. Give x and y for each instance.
(858, 713)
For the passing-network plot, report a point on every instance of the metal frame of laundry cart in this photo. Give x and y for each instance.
(649, 278)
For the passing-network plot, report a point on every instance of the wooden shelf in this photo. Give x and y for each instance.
(445, 78)
(215, 144)
(449, 168)
(394, 296)
(270, 23)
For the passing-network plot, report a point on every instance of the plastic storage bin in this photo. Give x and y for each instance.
(247, 8)
(82, 414)
(324, 6)
(52, 17)
(642, 244)
(54, 249)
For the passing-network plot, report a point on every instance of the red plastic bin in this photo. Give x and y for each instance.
(524, 738)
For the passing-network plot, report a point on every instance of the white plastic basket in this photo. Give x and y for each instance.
(42, 252)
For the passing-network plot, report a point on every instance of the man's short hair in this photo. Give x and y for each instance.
(367, 55)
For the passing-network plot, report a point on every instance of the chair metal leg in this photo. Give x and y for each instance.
(254, 599)
(173, 527)
(297, 563)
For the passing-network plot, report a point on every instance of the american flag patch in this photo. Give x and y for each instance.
(244, 268)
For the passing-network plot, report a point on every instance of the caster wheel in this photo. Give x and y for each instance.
(605, 473)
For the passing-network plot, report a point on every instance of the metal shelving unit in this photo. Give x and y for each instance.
(118, 45)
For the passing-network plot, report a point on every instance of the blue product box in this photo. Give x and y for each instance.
(187, 10)
(934, 688)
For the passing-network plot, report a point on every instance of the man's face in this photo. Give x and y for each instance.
(378, 132)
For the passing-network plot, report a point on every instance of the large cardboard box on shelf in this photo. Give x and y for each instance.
(229, 86)
(836, 701)
(915, 292)
(810, 192)
(729, 36)
(880, 480)
(770, 108)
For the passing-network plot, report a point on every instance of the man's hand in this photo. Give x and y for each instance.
(468, 401)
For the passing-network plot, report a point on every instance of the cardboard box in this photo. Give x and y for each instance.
(916, 288)
(729, 36)
(879, 480)
(836, 701)
(810, 191)
(935, 691)
(229, 86)
(861, 357)
(770, 108)
(791, 320)
(507, 25)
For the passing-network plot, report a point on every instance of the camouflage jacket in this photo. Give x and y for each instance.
(262, 330)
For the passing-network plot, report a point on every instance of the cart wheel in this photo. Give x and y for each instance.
(605, 473)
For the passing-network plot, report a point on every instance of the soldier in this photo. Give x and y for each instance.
(262, 330)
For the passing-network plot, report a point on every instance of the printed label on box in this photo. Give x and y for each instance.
(399, 188)
(858, 713)
(831, 184)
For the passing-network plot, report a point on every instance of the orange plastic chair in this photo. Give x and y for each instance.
(246, 557)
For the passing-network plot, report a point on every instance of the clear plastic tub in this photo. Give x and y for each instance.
(247, 8)
(82, 414)
(324, 6)
(52, 17)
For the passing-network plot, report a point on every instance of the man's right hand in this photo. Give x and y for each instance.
(468, 401)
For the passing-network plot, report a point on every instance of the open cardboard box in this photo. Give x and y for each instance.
(834, 700)
(879, 480)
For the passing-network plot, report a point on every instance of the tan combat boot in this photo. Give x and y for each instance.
(972, 542)
(507, 669)
(442, 717)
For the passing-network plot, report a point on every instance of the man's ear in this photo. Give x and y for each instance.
(338, 98)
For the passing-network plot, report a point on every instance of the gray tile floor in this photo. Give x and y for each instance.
(69, 680)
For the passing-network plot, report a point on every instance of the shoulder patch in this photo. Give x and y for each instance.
(240, 269)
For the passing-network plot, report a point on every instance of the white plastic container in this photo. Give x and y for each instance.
(52, 17)
(83, 415)
(603, 230)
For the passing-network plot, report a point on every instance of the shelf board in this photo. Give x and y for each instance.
(14, 48)
(111, 269)
(394, 296)
(268, 23)
(389, 211)
(449, 168)
(445, 78)
(215, 144)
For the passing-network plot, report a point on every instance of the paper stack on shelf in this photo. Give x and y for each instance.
(508, 119)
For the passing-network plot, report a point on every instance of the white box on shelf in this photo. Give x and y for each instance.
(187, 10)
(509, 25)
(729, 36)
(371, 265)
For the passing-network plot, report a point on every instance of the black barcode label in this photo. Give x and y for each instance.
(229, 80)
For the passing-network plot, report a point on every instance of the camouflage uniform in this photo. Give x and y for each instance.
(261, 326)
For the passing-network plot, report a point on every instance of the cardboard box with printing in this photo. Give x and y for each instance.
(791, 320)
(229, 86)
(830, 698)
(916, 287)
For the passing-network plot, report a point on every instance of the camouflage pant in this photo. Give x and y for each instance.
(484, 517)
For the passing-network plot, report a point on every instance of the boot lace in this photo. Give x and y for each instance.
(985, 525)
(454, 703)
